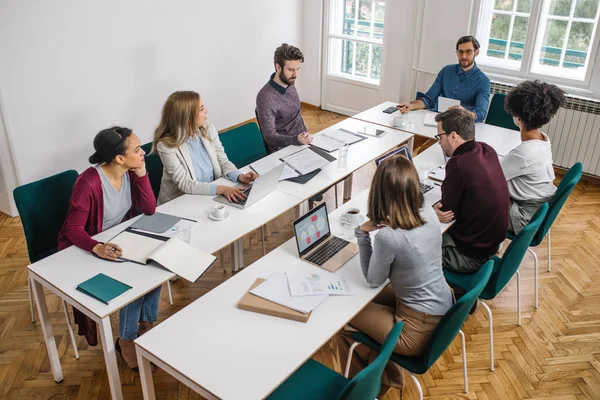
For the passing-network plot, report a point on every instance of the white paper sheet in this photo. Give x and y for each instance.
(430, 119)
(266, 164)
(305, 161)
(275, 289)
(317, 284)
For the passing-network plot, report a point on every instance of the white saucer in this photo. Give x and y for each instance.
(361, 219)
(218, 219)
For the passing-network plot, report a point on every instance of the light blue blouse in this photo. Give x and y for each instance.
(202, 164)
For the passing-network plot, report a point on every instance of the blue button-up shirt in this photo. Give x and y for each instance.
(202, 164)
(472, 88)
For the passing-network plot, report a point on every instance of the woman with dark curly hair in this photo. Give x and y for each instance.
(528, 167)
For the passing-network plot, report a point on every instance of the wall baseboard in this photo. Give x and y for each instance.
(311, 106)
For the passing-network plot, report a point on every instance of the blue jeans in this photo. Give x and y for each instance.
(143, 309)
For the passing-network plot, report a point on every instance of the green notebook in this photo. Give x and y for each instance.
(103, 288)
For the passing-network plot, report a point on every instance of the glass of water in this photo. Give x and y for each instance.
(343, 155)
(184, 231)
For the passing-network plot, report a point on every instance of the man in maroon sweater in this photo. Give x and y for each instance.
(474, 193)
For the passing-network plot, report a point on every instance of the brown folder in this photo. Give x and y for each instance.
(251, 302)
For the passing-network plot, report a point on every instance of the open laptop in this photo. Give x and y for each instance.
(431, 191)
(316, 244)
(262, 186)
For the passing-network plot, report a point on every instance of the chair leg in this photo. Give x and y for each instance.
(349, 361)
(549, 250)
(262, 238)
(518, 298)
(535, 266)
(464, 356)
(31, 305)
(416, 381)
(70, 328)
(169, 290)
(491, 334)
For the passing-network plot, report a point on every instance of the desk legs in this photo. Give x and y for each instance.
(238, 254)
(348, 188)
(145, 375)
(110, 358)
(303, 208)
(40, 300)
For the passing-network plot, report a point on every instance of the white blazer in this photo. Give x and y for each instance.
(179, 176)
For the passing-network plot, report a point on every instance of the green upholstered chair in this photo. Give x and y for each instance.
(43, 207)
(504, 269)
(444, 333)
(313, 380)
(154, 166)
(566, 186)
(497, 116)
(243, 144)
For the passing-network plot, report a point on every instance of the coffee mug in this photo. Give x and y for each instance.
(353, 216)
(398, 121)
(218, 211)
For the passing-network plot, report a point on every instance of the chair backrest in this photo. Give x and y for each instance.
(506, 267)
(497, 116)
(565, 187)
(43, 207)
(261, 133)
(154, 166)
(367, 383)
(448, 327)
(243, 144)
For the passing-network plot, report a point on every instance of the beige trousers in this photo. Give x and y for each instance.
(376, 321)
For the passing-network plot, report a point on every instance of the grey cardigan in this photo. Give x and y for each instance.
(178, 171)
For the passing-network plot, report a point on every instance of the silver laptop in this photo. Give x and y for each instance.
(316, 244)
(432, 191)
(262, 186)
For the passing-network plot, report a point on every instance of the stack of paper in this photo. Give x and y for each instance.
(275, 289)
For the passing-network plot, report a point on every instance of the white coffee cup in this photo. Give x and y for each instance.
(398, 121)
(218, 211)
(352, 216)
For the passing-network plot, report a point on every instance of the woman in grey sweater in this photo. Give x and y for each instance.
(407, 250)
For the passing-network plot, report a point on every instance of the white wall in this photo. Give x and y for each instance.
(311, 33)
(71, 68)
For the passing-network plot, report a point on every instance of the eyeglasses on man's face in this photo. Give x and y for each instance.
(468, 52)
(439, 135)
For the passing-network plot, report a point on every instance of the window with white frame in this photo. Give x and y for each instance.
(547, 38)
(356, 39)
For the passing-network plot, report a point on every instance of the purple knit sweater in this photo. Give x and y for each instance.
(278, 111)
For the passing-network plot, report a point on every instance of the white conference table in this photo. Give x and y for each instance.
(63, 271)
(216, 341)
(501, 139)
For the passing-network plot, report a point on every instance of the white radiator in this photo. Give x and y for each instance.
(574, 133)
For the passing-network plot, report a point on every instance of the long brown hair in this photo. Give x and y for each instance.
(177, 120)
(395, 197)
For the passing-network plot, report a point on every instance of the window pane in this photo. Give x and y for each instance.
(498, 35)
(376, 62)
(379, 16)
(560, 7)
(364, 18)
(586, 9)
(524, 6)
(578, 44)
(503, 5)
(553, 41)
(517, 42)
(362, 59)
(349, 9)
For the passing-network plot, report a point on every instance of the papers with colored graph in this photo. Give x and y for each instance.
(303, 284)
(275, 289)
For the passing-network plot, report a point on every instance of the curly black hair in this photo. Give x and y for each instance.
(285, 52)
(534, 103)
(110, 143)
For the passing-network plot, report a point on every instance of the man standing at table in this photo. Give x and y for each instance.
(463, 81)
(278, 104)
(474, 193)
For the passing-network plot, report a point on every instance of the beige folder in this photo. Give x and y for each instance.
(257, 304)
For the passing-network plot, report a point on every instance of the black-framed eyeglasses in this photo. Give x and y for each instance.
(439, 135)
(467, 52)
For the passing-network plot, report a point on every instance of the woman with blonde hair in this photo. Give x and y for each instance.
(407, 250)
(192, 154)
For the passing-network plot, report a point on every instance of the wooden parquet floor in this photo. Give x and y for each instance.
(555, 354)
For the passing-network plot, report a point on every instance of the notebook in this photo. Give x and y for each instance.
(103, 288)
(173, 254)
(430, 119)
(331, 141)
(157, 222)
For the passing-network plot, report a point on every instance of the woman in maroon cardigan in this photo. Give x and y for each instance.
(115, 189)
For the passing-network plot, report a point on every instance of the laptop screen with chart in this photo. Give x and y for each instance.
(312, 229)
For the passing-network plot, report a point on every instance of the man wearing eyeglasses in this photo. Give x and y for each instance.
(463, 81)
(474, 193)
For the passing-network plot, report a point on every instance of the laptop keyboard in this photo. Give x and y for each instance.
(243, 201)
(425, 188)
(327, 250)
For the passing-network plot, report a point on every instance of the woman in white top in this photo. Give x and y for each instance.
(192, 154)
(528, 167)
